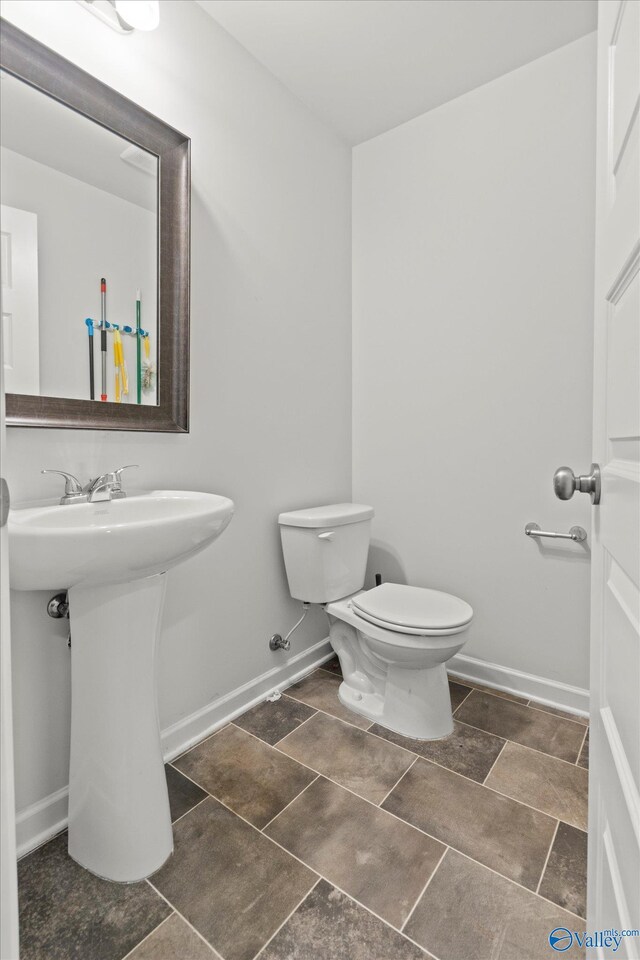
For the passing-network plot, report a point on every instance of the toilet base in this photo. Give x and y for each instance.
(415, 703)
(398, 681)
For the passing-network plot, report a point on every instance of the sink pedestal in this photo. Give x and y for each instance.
(119, 820)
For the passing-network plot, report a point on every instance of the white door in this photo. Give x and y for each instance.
(8, 882)
(20, 322)
(614, 816)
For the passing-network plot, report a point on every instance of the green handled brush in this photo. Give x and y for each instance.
(138, 350)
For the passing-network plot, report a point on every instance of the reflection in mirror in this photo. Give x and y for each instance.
(79, 204)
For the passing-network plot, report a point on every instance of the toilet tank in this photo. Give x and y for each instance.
(325, 550)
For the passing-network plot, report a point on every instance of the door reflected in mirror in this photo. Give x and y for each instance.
(79, 256)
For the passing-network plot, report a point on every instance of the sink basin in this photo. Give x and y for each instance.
(111, 541)
(112, 556)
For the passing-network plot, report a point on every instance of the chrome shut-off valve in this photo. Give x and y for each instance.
(565, 483)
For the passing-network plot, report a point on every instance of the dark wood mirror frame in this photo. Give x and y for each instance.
(45, 70)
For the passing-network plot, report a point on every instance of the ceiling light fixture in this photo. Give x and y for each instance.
(125, 16)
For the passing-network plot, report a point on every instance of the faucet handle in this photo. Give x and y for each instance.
(71, 485)
(73, 490)
(128, 466)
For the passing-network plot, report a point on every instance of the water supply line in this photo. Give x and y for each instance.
(277, 643)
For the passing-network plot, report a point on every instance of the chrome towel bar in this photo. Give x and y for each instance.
(576, 533)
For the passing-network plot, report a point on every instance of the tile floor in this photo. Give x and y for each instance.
(303, 832)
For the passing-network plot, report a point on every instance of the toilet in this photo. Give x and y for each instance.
(394, 640)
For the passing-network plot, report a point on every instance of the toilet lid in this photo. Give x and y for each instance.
(413, 609)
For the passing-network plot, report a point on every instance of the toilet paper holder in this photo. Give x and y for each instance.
(575, 533)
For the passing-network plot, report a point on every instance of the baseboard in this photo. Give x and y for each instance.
(189, 731)
(551, 693)
(42, 820)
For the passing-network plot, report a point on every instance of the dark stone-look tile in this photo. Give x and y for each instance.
(583, 721)
(356, 760)
(330, 926)
(497, 831)
(514, 721)
(229, 881)
(274, 719)
(174, 940)
(553, 786)
(380, 861)
(467, 750)
(469, 912)
(492, 690)
(565, 878)
(458, 692)
(320, 690)
(67, 913)
(183, 794)
(583, 759)
(333, 666)
(249, 776)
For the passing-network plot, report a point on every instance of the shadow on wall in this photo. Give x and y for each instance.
(383, 559)
(557, 550)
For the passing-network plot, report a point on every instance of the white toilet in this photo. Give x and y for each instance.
(392, 641)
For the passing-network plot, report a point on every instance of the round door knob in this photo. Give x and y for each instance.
(564, 483)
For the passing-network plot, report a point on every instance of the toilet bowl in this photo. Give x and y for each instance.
(394, 640)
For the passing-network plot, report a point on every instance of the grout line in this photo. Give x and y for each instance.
(584, 740)
(312, 869)
(453, 712)
(484, 782)
(491, 691)
(424, 889)
(327, 714)
(395, 817)
(286, 919)
(286, 734)
(571, 763)
(182, 917)
(325, 776)
(406, 823)
(151, 932)
(297, 796)
(199, 743)
(521, 701)
(196, 784)
(546, 861)
(178, 819)
(349, 896)
(416, 757)
(271, 840)
(515, 882)
(323, 666)
(397, 782)
(464, 776)
(534, 706)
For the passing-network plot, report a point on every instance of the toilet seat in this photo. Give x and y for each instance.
(416, 611)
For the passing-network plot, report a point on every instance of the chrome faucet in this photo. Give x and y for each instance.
(73, 491)
(108, 486)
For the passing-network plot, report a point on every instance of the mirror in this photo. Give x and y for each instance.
(78, 206)
(95, 250)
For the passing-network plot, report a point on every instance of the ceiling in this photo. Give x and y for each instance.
(365, 66)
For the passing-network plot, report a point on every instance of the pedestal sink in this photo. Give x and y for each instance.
(112, 557)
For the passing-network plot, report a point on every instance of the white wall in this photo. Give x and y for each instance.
(84, 233)
(472, 328)
(270, 366)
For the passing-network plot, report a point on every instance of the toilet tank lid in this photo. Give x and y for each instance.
(332, 515)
